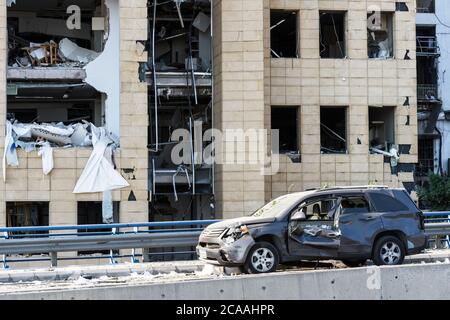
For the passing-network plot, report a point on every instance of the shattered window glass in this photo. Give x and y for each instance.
(322, 210)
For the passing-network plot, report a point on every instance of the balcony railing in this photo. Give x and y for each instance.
(427, 46)
(427, 92)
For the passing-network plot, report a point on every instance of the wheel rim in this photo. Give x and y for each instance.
(390, 253)
(263, 260)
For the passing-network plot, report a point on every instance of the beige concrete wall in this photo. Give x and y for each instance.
(239, 97)
(355, 82)
(27, 182)
(310, 82)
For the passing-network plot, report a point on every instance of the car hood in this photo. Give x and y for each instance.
(248, 221)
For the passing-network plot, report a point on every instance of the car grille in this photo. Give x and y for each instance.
(213, 232)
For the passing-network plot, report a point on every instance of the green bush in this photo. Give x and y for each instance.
(436, 194)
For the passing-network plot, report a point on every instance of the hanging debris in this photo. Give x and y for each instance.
(99, 174)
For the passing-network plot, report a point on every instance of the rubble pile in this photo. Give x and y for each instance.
(66, 53)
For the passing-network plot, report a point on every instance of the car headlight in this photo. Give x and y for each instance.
(234, 234)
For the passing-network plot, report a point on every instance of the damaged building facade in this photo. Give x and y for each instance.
(433, 62)
(99, 88)
(74, 130)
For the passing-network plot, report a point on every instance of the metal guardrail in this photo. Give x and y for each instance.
(112, 237)
(54, 239)
(437, 226)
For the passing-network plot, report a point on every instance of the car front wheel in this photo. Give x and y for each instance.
(262, 258)
(388, 250)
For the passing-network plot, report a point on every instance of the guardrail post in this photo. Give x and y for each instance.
(111, 252)
(4, 260)
(54, 258)
(133, 251)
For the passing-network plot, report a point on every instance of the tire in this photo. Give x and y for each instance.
(262, 258)
(354, 263)
(388, 250)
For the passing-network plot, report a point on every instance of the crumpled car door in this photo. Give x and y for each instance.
(315, 239)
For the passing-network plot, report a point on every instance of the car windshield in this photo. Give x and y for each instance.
(277, 206)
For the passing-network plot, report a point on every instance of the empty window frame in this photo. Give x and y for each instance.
(382, 127)
(284, 34)
(333, 130)
(89, 213)
(425, 6)
(380, 35)
(27, 214)
(426, 157)
(332, 34)
(285, 119)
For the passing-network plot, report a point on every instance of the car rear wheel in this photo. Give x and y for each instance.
(262, 258)
(388, 250)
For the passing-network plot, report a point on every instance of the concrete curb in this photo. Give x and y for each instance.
(417, 282)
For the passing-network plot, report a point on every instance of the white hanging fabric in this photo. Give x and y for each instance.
(46, 152)
(10, 152)
(99, 174)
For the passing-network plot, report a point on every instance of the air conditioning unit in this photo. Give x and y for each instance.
(381, 25)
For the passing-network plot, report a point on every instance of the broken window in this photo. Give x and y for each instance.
(27, 214)
(180, 97)
(332, 34)
(333, 133)
(382, 128)
(322, 210)
(284, 34)
(52, 34)
(425, 6)
(380, 37)
(285, 119)
(426, 157)
(49, 98)
(91, 213)
(427, 66)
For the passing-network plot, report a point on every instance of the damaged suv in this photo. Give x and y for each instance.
(352, 224)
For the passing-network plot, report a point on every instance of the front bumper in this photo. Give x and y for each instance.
(215, 251)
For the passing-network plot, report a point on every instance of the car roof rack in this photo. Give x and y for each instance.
(355, 187)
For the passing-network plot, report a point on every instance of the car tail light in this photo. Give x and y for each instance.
(421, 220)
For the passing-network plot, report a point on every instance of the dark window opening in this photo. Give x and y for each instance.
(354, 205)
(382, 128)
(426, 157)
(427, 64)
(27, 214)
(285, 119)
(90, 213)
(380, 35)
(333, 133)
(425, 6)
(332, 35)
(284, 34)
(385, 203)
